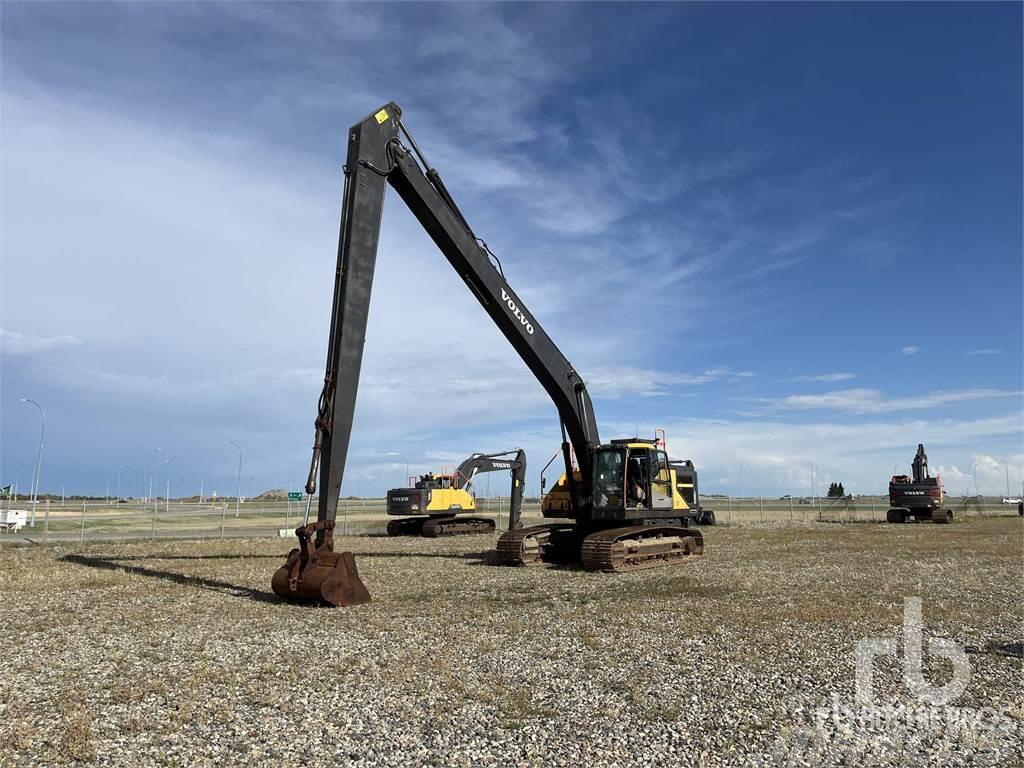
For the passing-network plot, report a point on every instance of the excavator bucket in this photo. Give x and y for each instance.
(317, 574)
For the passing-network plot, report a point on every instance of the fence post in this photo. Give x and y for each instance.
(730, 509)
(46, 521)
(346, 517)
(152, 534)
(760, 506)
(223, 508)
(81, 533)
(287, 514)
(872, 508)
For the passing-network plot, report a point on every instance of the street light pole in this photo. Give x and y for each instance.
(741, 481)
(156, 480)
(974, 471)
(144, 457)
(70, 466)
(119, 468)
(167, 491)
(39, 458)
(814, 494)
(1007, 468)
(406, 478)
(238, 481)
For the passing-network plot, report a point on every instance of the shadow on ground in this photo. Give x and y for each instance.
(215, 585)
(1011, 649)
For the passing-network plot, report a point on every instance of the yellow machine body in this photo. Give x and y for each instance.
(556, 503)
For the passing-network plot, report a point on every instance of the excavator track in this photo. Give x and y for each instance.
(637, 546)
(529, 546)
(406, 526)
(436, 527)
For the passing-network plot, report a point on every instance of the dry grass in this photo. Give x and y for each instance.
(176, 652)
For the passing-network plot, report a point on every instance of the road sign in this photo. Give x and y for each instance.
(294, 495)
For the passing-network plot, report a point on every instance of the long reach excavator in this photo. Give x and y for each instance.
(620, 510)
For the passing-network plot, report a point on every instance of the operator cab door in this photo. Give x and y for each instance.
(648, 480)
(661, 481)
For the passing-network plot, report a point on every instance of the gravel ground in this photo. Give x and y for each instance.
(176, 653)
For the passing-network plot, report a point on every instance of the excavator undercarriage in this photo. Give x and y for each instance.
(435, 527)
(612, 550)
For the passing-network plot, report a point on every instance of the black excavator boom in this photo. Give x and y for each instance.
(377, 157)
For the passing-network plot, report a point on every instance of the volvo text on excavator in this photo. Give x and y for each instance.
(608, 528)
(919, 497)
(441, 504)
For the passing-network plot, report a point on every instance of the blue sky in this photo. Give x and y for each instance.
(786, 233)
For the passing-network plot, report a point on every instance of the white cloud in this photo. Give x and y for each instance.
(865, 400)
(621, 380)
(14, 343)
(825, 377)
(862, 456)
(910, 350)
(985, 352)
(992, 473)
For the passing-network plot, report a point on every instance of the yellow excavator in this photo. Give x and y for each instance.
(440, 504)
(621, 511)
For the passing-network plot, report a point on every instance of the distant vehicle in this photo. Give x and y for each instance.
(12, 519)
(1011, 501)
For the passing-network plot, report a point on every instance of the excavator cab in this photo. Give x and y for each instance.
(631, 477)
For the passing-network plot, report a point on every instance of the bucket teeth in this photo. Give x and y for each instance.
(315, 573)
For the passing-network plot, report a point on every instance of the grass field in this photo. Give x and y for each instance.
(176, 653)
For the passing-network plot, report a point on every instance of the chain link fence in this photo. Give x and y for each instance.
(84, 521)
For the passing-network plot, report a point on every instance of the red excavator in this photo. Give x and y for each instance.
(919, 497)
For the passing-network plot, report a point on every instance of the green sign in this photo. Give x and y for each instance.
(294, 495)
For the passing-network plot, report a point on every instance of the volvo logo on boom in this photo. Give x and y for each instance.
(516, 313)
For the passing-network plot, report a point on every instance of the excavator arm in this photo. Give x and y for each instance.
(377, 157)
(513, 462)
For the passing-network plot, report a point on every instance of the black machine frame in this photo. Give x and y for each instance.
(376, 158)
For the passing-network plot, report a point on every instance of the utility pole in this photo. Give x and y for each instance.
(39, 458)
(1007, 468)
